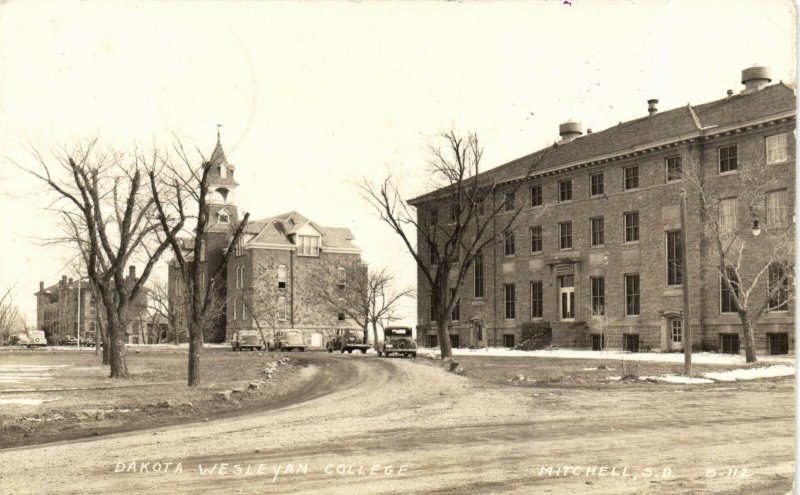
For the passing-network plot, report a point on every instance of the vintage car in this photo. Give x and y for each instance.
(34, 338)
(68, 340)
(286, 340)
(348, 340)
(247, 339)
(398, 340)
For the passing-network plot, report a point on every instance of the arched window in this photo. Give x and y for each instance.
(281, 277)
(341, 277)
(281, 309)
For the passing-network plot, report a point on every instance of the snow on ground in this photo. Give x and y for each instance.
(661, 357)
(752, 373)
(686, 380)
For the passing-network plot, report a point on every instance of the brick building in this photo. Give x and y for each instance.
(57, 312)
(272, 277)
(600, 231)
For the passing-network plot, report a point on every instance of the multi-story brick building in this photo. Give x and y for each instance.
(58, 312)
(599, 231)
(273, 276)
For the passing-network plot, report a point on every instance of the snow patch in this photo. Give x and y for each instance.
(686, 380)
(752, 373)
(24, 402)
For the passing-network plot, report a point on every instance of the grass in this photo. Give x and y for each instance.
(87, 402)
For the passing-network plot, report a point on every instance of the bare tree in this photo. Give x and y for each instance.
(752, 255)
(180, 191)
(100, 191)
(10, 321)
(475, 219)
(368, 297)
(160, 305)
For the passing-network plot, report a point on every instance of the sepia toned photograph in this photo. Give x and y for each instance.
(383, 247)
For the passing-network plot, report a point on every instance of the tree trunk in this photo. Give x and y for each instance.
(366, 332)
(116, 347)
(375, 335)
(442, 323)
(749, 339)
(195, 345)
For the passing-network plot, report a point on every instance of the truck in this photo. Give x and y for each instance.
(348, 340)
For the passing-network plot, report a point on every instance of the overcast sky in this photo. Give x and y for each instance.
(314, 96)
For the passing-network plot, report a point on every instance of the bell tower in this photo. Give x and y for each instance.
(222, 210)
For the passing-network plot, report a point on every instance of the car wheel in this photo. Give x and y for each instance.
(330, 349)
(380, 354)
(363, 351)
(302, 349)
(349, 351)
(341, 350)
(414, 355)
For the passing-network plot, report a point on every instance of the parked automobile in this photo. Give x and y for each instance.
(68, 340)
(348, 340)
(247, 339)
(398, 340)
(286, 340)
(34, 338)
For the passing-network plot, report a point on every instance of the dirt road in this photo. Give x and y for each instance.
(440, 434)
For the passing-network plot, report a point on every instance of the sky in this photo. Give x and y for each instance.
(314, 97)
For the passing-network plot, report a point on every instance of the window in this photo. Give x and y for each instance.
(202, 251)
(281, 309)
(510, 300)
(597, 184)
(240, 276)
(676, 330)
(565, 190)
(455, 315)
(630, 342)
(598, 235)
(281, 277)
(536, 239)
(341, 278)
(598, 296)
(727, 298)
(203, 282)
(433, 340)
(729, 343)
(454, 341)
(674, 168)
(632, 226)
(674, 258)
(223, 217)
(508, 204)
(478, 274)
(775, 207)
(632, 297)
(508, 243)
(340, 315)
(479, 207)
(778, 343)
(536, 196)
(777, 148)
(454, 214)
(244, 311)
(727, 158)
(239, 247)
(598, 342)
(565, 235)
(778, 288)
(433, 216)
(727, 216)
(307, 245)
(631, 177)
(508, 340)
(235, 310)
(433, 254)
(537, 298)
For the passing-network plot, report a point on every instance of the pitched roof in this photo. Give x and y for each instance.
(281, 230)
(661, 126)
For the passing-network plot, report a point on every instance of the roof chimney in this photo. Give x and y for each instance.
(730, 92)
(652, 106)
(70, 281)
(755, 78)
(569, 131)
(41, 286)
(63, 281)
(132, 271)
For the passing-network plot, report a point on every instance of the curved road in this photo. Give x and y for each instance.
(365, 425)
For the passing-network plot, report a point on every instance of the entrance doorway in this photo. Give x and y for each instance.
(566, 288)
(675, 334)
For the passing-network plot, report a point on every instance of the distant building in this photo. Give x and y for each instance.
(270, 278)
(600, 229)
(58, 315)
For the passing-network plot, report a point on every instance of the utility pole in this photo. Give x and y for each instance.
(687, 330)
(79, 305)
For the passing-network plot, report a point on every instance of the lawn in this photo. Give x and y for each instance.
(60, 394)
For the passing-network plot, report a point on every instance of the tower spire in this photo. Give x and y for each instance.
(219, 127)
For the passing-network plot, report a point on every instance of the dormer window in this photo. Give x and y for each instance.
(307, 245)
(223, 171)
